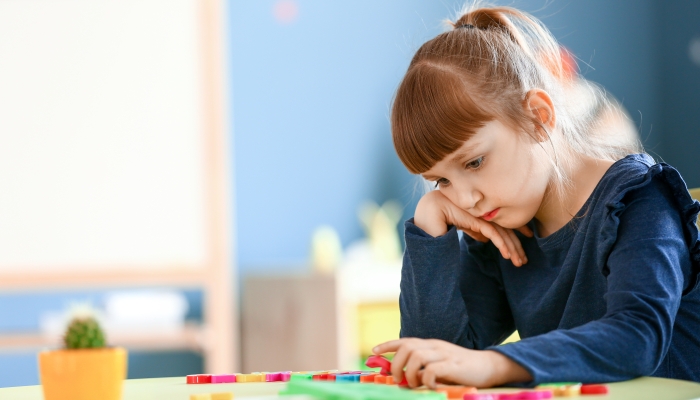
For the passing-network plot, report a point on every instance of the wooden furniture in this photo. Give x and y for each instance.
(175, 388)
(115, 168)
(318, 320)
(293, 322)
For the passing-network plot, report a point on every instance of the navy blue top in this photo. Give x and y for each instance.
(611, 296)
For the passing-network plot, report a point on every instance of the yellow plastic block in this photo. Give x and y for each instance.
(241, 378)
(202, 396)
(222, 396)
(567, 390)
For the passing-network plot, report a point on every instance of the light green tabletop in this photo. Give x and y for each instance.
(177, 389)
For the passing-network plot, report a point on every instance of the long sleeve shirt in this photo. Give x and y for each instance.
(611, 296)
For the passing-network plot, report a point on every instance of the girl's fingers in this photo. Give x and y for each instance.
(478, 236)
(437, 372)
(387, 347)
(518, 247)
(492, 233)
(402, 355)
(419, 359)
(504, 239)
(508, 240)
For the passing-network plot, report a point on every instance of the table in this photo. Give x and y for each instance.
(177, 389)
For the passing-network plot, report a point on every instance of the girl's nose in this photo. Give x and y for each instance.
(467, 198)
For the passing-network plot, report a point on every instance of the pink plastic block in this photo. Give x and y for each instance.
(481, 396)
(223, 378)
(285, 376)
(272, 377)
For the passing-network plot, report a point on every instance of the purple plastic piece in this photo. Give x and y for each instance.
(223, 378)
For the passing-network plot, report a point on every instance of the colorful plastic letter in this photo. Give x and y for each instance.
(379, 362)
(456, 392)
(198, 378)
(223, 378)
(594, 389)
(222, 396)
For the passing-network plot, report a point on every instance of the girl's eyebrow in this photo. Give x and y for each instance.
(458, 158)
(464, 154)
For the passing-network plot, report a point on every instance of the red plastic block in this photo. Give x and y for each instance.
(594, 389)
(199, 378)
(385, 365)
(379, 362)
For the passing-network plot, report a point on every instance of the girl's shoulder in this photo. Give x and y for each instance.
(638, 175)
(636, 189)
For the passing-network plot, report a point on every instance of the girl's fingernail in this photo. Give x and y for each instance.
(374, 350)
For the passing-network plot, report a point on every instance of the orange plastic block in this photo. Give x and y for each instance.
(390, 380)
(367, 378)
(456, 392)
(380, 379)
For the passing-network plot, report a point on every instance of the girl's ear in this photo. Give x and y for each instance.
(539, 107)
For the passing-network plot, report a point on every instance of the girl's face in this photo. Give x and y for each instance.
(498, 175)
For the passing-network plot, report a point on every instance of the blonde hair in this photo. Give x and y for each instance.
(482, 70)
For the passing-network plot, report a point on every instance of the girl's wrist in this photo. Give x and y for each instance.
(430, 216)
(506, 370)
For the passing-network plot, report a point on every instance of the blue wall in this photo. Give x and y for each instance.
(680, 88)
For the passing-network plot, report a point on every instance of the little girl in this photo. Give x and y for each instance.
(590, 251)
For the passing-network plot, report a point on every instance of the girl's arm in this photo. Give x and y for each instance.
(452, 292)
(645, 284)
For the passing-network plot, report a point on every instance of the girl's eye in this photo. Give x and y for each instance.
(442, 182)
(476, 164)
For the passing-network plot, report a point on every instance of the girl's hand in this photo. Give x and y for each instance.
(432, 361)
(435, 213)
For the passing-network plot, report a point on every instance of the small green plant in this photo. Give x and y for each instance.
(84, 333)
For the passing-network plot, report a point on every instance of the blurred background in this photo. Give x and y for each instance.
(318, 195)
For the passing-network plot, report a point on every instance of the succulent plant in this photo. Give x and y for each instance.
(84, 333)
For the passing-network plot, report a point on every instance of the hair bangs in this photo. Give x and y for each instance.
(433, 115)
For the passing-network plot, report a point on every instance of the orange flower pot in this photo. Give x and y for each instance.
(83, 374)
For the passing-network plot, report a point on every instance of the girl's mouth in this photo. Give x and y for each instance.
(490, 215)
